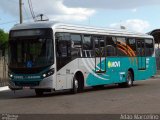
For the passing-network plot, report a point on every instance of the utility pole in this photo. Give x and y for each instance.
(20, 11)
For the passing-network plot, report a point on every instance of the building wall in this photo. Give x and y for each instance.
(3, 71)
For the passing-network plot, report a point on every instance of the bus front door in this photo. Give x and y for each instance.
(100, 54)
(141, 55)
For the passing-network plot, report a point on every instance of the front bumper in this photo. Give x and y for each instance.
(12, 86)
(46, 83)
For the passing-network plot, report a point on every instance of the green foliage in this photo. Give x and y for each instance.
(3, 37)
(3, 41)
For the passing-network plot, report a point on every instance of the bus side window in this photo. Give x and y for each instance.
(76, 45)
(111, 46)
(63, 49)
(141, 48)
(76, 40)
(149, 47)
(87, 46)
(121, 46)
(63, 46)
(132, 46)
(99, 42)
(87, 42)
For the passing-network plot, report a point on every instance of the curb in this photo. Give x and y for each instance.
(4, 88)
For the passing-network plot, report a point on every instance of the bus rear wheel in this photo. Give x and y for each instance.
(39, 92)
(129, 80)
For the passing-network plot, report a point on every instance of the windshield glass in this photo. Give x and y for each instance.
(30, 53)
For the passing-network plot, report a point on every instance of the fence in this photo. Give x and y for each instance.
(3, 71)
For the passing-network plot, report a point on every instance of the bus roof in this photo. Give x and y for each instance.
(62, 27)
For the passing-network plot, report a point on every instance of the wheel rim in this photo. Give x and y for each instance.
(76, 84)
(129, 78)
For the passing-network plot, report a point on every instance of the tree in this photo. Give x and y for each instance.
(3, 37)
(3, 41)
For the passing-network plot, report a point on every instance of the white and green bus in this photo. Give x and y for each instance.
(49, 56)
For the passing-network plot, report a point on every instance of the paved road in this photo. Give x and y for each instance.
(144, 97)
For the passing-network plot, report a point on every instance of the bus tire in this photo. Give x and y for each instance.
(129, 80)
(39, 92)
(75, 87)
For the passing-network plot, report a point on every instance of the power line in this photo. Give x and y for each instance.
(31, 9)
(23, 5)
(25, 10)
(20, 9)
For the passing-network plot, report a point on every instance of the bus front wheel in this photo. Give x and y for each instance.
(75, 87)
(77, 83)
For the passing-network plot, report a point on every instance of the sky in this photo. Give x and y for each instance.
(135, 15)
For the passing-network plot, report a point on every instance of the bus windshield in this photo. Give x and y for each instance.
(30, 53)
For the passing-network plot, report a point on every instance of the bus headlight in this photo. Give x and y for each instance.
(10, 75)
(44, 75)
(48, 73)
